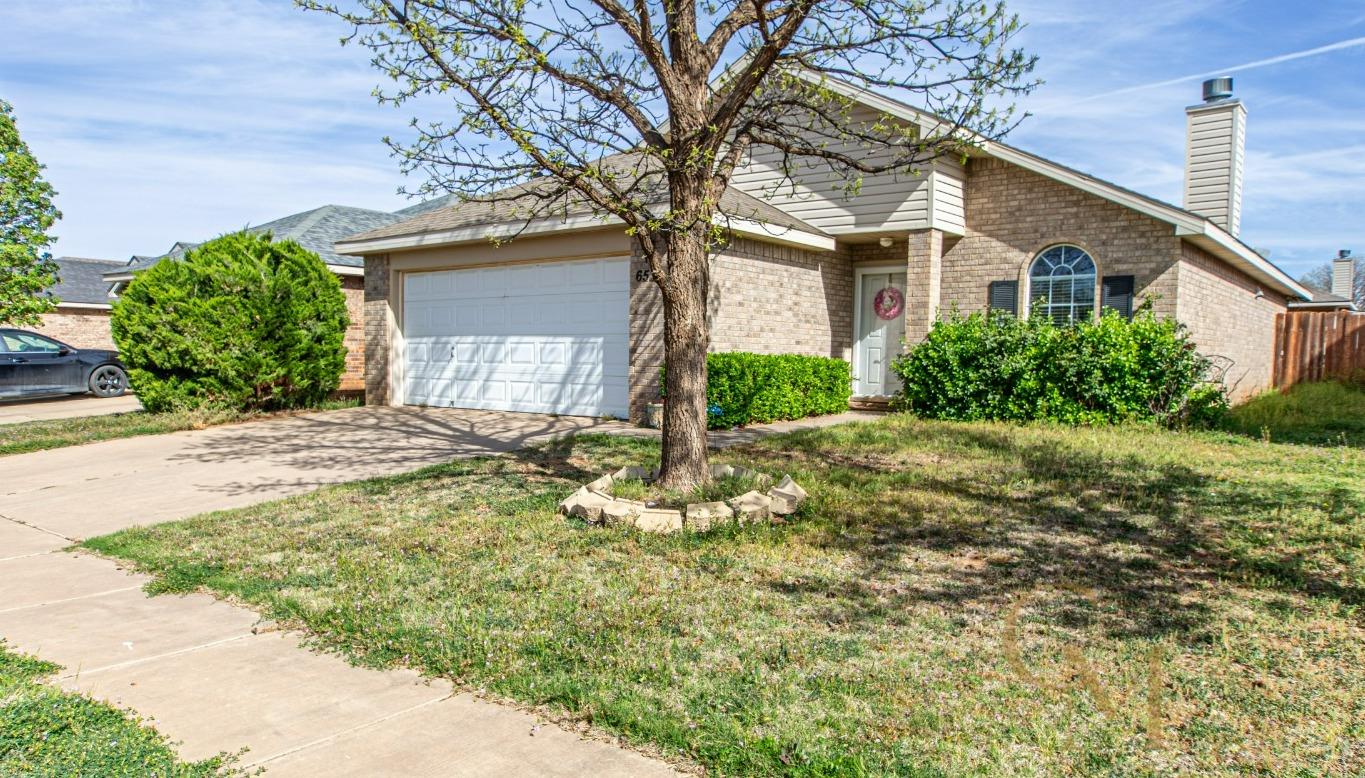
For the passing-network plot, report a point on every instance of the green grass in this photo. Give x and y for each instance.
(954, 599)
(45, 731)
(1326, 413)
(30, 436)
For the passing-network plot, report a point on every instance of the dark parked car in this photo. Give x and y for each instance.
(33, 364)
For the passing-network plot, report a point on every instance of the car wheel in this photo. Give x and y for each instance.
(108, 381)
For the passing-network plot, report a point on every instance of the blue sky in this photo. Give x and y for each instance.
(178, 120)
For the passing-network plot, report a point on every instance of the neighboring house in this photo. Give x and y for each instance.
(565, 318)
(316, 230)
(82, 315)
(1341, 295)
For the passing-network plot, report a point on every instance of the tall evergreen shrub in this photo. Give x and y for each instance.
(241, 322)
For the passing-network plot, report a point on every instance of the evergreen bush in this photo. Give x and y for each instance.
(241, 322)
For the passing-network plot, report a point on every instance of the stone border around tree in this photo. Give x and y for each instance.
(595, 503)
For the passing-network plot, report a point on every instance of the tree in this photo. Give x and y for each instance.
(642, 110)
(1320, 278)
(239, 323)
(26, 214)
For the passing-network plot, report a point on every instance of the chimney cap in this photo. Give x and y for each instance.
(1344, 254)
(1216, 89)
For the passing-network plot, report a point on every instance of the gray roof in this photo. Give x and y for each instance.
(473, 213)
(81, 280)
(453, 212)
(316, 230)
(443, 201)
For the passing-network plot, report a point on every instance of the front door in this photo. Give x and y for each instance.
(881, 328)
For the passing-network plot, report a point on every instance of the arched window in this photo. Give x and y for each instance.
(1062, 284)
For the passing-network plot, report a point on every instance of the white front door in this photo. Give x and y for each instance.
(548, 338)
(880, 330)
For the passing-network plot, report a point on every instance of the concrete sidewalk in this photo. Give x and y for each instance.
(203, 671)
(64, 407)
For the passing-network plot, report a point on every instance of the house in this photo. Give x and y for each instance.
(316, 230)
(565, 318)
(1342, 292)
(82, 315)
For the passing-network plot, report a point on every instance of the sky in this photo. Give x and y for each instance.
(166, 120)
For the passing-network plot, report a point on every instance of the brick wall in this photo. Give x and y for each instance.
(353, 377)
(1228, 320)
(78, 327)
(375, 321)
(1012, 214)
(764, 298)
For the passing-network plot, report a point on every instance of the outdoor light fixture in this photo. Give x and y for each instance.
(886, 242)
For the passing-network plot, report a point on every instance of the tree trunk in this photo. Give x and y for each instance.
(687, 336)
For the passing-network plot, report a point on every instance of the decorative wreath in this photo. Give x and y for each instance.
(888, 303)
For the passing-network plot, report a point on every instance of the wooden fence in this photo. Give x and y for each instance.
(1318, 345)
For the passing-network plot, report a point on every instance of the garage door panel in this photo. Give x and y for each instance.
(546, 337)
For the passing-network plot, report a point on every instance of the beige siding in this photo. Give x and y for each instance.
(889, 201)
(1231, 319)
(948, 196)
(1215, 140)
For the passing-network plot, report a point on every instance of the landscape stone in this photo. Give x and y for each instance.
(752, 506)
(722, 471)
(701, 516)
(659, 520)
(602, 485)
(632, 473)
(786, 497)
(621, 512)
(588, 505)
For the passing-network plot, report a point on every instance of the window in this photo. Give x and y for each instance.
(1062, 284)
(27, 342)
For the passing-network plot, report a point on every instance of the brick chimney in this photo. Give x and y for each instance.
(1344, 275)
(1215, 143)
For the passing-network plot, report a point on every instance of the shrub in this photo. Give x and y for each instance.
(744, 388)
(241, 323)
(994, 366)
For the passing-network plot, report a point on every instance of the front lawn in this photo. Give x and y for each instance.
(45, 731)
(25, 437)
(954, 599)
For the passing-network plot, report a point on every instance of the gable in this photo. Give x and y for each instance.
(884, 203)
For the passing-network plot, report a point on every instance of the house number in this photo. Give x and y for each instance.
(643, 275)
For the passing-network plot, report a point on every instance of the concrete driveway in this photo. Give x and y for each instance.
(204, 672)
(65, 407)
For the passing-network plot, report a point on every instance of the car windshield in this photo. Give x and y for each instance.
(27, 342)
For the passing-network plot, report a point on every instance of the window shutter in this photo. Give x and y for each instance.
(1004, 296)
(1118, 295)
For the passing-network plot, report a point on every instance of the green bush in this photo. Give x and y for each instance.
(1109, 370)
(241, 323)
(744, 388)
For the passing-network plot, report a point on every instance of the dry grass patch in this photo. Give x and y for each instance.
(953, 599)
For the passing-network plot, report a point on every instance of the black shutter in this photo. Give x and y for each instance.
(1118, 295)
(1004, 296)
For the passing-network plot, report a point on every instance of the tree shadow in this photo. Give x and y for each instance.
(1124, 545)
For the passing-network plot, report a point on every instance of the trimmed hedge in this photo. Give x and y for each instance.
(997, 367)
(240, 323)
(745, 388)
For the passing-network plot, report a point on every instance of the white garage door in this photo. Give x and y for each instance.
(547, 338)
